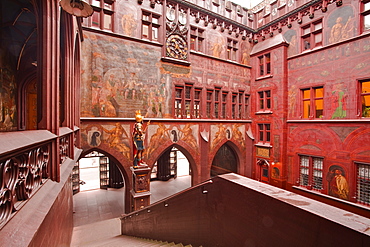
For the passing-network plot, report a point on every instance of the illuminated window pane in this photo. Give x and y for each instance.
(365, 99)
(319, 92)
(319, 104)
(306, 109)
(306, 94)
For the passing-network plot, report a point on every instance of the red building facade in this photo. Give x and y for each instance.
(278, 93)
(283, 86)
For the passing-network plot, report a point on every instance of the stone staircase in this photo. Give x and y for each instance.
(129, 241)
(107, 233)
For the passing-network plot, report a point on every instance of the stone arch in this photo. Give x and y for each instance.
(192, 162)
(231, 147)
(124, 169)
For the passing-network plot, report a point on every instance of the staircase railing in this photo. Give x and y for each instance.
(231, 210)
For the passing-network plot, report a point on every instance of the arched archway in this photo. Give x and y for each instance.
(169, 167)
(225, 161)
(170, 164)
(99, 171)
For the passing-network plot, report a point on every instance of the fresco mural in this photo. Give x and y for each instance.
(8, 109)
(129, 20)
(221, 132)
(114, 135)
(338, 185)
(118, 88)
(216, 43)
(339, 101)
(291, 37)
(161, 133)
(341, 24)
(245, 50)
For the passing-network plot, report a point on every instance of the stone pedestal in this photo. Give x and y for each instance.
(140, 192)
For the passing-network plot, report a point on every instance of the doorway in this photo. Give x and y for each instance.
(171, 164)
(225, 161)
(96, 171)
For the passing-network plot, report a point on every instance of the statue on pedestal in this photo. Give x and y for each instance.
(138, 139)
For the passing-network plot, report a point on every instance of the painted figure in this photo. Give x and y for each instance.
(338, 185)
(138, 139)
(115, 139)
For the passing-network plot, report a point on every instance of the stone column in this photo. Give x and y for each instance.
(140, 191)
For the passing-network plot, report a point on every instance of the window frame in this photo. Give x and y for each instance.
(224, 104)
(187, 103)
(264, 133)
(217, 103)
(359, 180)
(264, 65)
(102, 13)
(232, 49)
(311, 35)
(364, 15)
(151, 26)
(178, 104)
(209, 103)
(312, 102)
(264, 101)
(196, 39)
(364, 110)
(310, 168)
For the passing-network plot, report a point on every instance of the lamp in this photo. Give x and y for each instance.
(77, 8)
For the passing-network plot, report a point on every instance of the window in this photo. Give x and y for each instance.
(363, 183)
(178, 101)
(313, 98)
(217, 103)
(187, 101)
(232, 49)
(196, 39)
(310, 170)
(188, 91)
(224, 104)
(103, 14)
(264, 98)
(365, 13)
(264, 64)
(209, 103)
(365, 98)
(233, 105)
(264, 133)
(246, 106)
(312, 35)
(197, 100)
(150, 26)
(240, 105)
